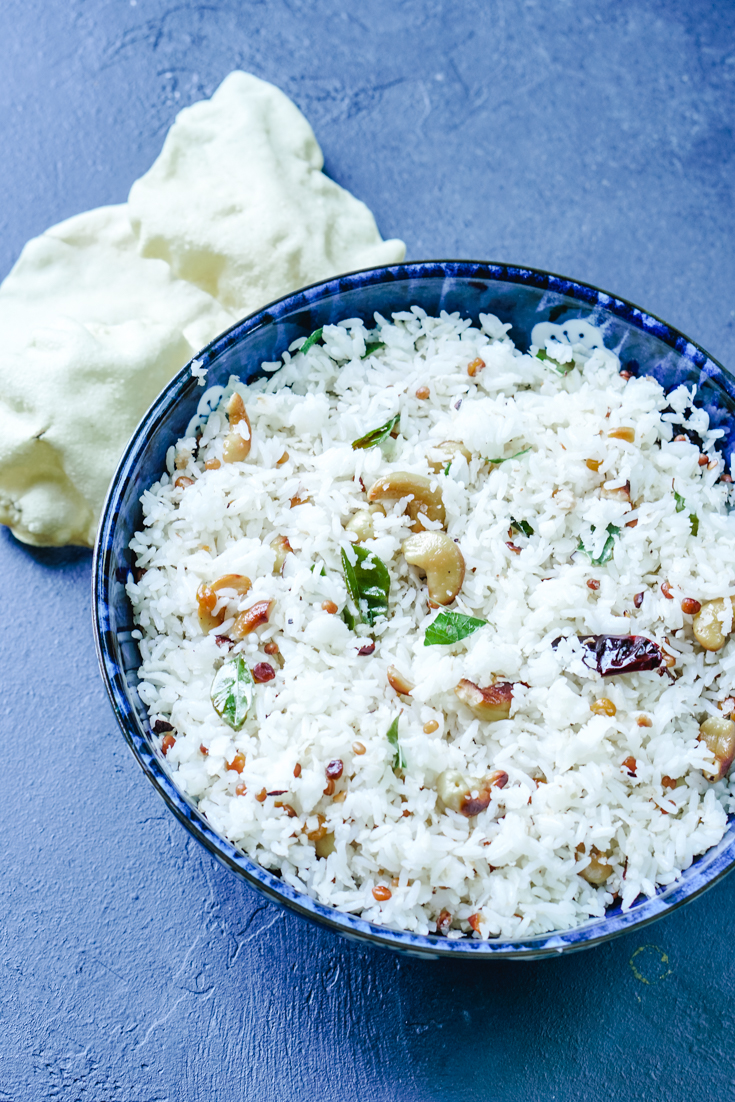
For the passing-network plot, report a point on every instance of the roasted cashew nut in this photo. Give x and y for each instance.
(236, 445)
(490, 704)
(361, 523)
(239, 582)
(423, 500)
(251, 618)
(324, 846)
(598, 871)
(441, 560)
(718, 734)
(444, 453)
(399, 681)
(707, 624)
(282, 548)
(206, 601)
(207, 598)
(455, 790)
(361, 526)
(616, 493)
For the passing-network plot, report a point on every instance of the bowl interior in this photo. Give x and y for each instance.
(523, 297)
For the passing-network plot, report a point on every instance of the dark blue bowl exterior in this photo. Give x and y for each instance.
(520, 296)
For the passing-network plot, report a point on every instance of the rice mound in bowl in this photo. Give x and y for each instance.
(462, 743)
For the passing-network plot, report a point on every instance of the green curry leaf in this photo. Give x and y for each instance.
(376, 436)
(312, 339)
(521, 526)
(399, 762)
(560, 368)
(681, 506)
(232, 691)
(370, 347)
(368, 583)
(507, 458)
(450, 627)
(607, 549)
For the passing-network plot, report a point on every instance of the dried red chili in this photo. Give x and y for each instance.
(615, 654)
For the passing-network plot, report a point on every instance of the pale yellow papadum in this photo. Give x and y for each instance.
(100, 311)
(237, 202)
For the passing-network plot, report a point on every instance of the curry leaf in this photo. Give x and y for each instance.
(681, 506)
(348, 618)
(368, 582)
(561, 369)
(312, 340)
(450, 627)
(507, 458)
(370, 347)
(521, 526)
(376, 436)
(399, 762)
(232, 691)
(607, 549)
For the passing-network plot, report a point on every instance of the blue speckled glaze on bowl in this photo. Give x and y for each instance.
(521, 296)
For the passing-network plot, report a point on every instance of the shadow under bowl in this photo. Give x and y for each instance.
(522, 296)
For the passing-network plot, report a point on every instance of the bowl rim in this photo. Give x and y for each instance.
(594, 931)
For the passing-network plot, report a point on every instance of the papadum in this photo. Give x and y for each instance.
(237, 202)
(100, 311)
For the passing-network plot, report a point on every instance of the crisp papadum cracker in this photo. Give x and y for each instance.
(91, 330)
(237, 202)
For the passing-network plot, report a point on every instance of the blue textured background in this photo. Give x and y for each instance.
(595, 140)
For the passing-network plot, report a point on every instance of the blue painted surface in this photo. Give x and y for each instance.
(594, 140)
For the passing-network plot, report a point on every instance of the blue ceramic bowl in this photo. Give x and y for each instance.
(522, 296)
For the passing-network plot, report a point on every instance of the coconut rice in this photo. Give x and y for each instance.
(581, 506)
